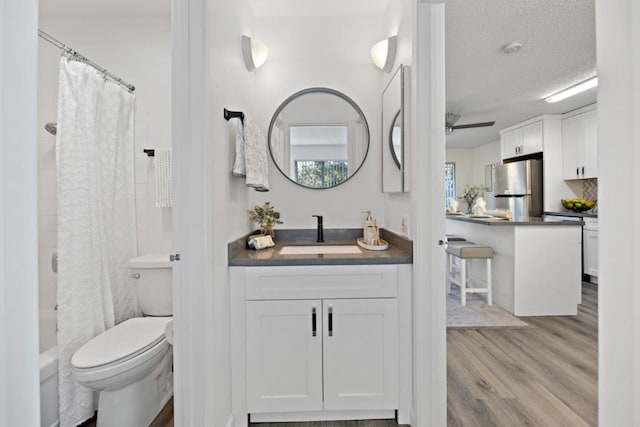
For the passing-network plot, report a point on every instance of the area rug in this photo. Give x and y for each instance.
(477, 313)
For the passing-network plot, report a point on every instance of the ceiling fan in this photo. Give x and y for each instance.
(451, 119)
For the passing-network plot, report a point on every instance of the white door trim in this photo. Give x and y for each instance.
(192, 219)
(19, 361)
(428, 112)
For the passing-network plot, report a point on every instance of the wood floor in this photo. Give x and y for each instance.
(545, 375)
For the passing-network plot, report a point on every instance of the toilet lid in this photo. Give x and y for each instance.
(123, 341)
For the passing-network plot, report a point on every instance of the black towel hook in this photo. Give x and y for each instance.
(233, 114)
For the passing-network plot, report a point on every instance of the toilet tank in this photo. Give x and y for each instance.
(152, 281)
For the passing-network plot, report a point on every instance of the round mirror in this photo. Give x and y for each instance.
(395, 140)
(318, 138)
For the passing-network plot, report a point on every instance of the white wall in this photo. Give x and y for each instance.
(618, 51)
(230, 86)
(483, 155)
(328, 52)
(19, 373)
(464, 160)
(137, 50)
(400, 20)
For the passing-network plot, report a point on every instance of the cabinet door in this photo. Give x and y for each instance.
(590, 144)
(360, 354)
(570, 130)
(284, 357)
(510, 143)
(532, 138)
(590, 254)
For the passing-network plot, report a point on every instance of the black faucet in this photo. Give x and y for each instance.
(320, 230)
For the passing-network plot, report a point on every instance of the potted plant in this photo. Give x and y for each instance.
(266, 217)
(470, 194)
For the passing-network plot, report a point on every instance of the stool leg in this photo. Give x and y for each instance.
(463, 281)
(489, 281)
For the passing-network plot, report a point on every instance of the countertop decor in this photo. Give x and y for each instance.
(578, 205)
(470, 194)
(266, 217)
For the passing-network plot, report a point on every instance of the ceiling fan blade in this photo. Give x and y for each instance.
(473, 125)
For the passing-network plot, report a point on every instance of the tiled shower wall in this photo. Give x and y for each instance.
(142, 57)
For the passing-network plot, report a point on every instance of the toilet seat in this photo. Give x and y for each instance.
(121, 348)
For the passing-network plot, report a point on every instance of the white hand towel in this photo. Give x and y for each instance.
(239, 165)
(256, 157)
(163, 177)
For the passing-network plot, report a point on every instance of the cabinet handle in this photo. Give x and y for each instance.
(583, 171)
(330, 321)
(577, 171)
(313, 322)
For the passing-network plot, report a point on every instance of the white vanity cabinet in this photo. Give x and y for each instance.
(580, 143)
(344, 359)
(312, 343)
(523, 139)
(284, 357)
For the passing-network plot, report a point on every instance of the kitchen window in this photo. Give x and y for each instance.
(449, 182)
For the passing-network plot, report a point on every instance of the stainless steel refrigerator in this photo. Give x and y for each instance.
(517, 186)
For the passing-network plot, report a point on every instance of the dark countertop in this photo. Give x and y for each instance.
(574, 214)
(400, 249)
(503, 222)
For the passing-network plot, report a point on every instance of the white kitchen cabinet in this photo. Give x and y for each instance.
(580, 144)
(522, 140)
(590, 247)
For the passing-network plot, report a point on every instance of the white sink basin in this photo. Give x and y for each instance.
(320, 249)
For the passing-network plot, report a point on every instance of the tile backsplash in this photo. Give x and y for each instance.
(590, 189)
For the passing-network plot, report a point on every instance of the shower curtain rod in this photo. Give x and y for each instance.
(77, 55)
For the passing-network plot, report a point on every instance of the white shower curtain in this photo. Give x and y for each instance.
(96, 219)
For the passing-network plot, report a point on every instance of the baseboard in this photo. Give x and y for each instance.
(230, 421)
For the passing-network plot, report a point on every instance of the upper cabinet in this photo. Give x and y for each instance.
(523, 139)
(580, 143)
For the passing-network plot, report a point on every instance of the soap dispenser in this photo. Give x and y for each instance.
(368, 229)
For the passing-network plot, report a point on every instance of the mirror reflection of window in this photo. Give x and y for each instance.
(318, 138)
(311, 147)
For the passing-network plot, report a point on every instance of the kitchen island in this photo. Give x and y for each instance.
(536, 263)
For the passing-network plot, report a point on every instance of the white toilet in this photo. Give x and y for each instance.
(130, 364)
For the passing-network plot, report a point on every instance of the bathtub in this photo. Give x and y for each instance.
(48, 370)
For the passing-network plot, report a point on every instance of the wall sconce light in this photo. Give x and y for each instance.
(383, 53)
(254, 52)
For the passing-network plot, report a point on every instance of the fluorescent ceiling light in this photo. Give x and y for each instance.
(254, 52)
(573, 90)
(383, 53)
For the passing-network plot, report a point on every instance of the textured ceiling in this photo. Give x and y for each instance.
(484, 84)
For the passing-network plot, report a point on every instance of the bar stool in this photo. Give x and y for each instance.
(452, 239)
(464, 252)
